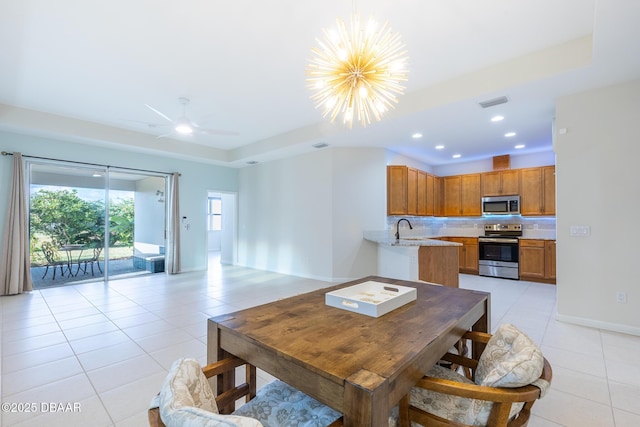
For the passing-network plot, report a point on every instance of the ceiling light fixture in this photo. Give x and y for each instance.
(509, 134)
(184, 129)
(416, 135)
(457, 156)
(497, 118)
(357, 72)
(440, 147)
(519, 146)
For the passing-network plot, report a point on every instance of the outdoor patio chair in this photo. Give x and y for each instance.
(52, 256)
(187, 399)
(93, 259)
(498, 388)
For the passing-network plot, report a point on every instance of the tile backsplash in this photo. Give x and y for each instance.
(539, 227)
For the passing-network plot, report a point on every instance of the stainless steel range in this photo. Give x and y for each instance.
(498, 250)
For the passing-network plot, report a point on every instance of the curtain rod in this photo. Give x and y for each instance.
(5, 153)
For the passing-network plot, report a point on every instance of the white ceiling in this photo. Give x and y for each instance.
(84, 70)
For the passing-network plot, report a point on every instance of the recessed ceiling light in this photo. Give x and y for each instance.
(497, 118)
(457, 156)
(416, 135)
(440, 147)
(510, 134)
(519, 146)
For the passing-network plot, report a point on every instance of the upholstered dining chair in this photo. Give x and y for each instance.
(187, 400)
(497, 389)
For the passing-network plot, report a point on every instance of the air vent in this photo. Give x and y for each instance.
(320, 145)
(494, 102)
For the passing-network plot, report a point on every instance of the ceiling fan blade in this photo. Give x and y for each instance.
(159, 113)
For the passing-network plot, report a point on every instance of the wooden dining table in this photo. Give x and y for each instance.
(359, 365)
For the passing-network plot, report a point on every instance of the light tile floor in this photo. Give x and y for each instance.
(106, 349)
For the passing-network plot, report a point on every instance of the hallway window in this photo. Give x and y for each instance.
(214, 218)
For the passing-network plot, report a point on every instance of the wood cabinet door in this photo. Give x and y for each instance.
(510, 182)
(422, 193)
(396, 190)
(430, 196)
(531, 261)
(412, 191)
(549, 190)
(451, 189)
(531, 191)
(471, 258)
(550, 259)
(471, 204)
(491, 184)
(438, 199)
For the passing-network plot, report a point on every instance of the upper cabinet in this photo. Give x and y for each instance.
(538, 191)
(462, 195)
(501, 183)
(414, 192)
(405, 195)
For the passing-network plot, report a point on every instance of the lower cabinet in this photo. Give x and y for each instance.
(538, 260)
(468, 253)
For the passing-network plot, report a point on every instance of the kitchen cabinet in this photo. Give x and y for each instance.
(402, 190)
(462, 195)
(438, 202)
(468, 253)
(425, 193)
(430, 194)
(501, 183)
(537, 261)
(410, 191)
(550, 260)
(538, 191)
(451, 187)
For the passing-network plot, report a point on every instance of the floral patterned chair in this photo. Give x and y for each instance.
(498, 389)
(186, 400)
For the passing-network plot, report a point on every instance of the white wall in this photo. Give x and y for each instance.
(519, 161)
(229, 233)
(149, 212)
(284, 212)
(359, 203)
(598, 185)
(305, 215)
(195, 180)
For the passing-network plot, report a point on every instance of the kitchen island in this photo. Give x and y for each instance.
(417, 258)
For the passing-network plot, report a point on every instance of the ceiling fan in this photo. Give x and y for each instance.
(183, 125)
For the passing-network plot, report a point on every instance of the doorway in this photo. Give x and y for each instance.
(94, 223)
(221, 229)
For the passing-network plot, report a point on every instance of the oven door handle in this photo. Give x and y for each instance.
(496, 240)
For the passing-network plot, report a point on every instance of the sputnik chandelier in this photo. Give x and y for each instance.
(357, 72)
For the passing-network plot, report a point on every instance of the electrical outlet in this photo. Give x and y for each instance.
(621, 297)
(580, 231)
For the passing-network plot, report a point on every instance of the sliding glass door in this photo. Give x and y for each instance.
(90, 223)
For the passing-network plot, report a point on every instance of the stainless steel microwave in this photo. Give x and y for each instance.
(502, 205)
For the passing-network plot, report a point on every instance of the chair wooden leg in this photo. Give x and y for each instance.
(403, 411)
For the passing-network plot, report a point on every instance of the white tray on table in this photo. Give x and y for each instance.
(371, 298)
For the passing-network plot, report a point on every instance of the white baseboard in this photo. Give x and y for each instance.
(607, 326)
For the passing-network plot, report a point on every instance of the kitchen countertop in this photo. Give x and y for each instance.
(410, 241)
(384, 237)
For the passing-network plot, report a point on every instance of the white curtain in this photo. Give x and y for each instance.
(172, 261)
(15, 265)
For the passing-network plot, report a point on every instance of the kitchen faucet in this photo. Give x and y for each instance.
(398, 227)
